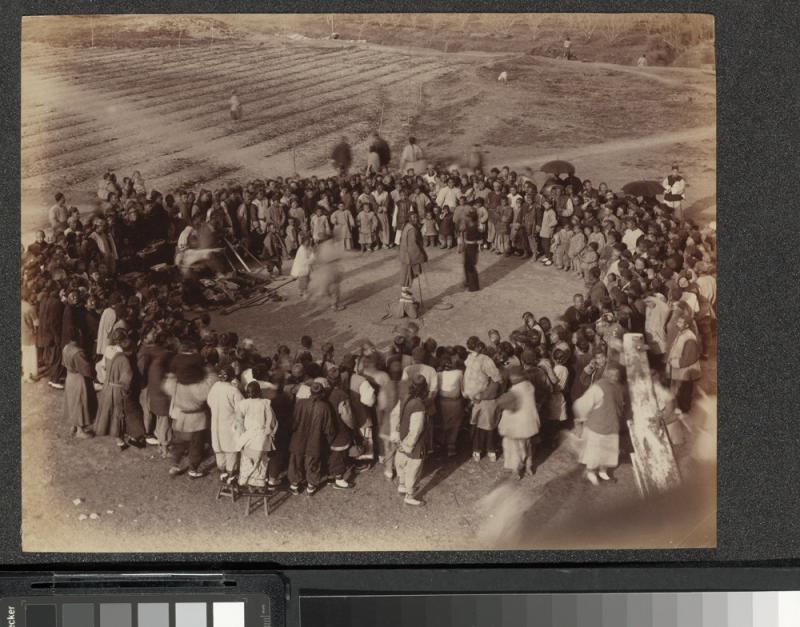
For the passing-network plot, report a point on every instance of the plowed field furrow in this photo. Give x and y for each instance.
(337, 104)
(158, 74)
(167, 104)
(69, 148)
(54, 93)
(77, 138)
(85, 61)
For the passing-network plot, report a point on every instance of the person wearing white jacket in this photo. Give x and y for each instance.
(519, 422)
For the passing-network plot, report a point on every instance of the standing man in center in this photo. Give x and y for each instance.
(412, 251)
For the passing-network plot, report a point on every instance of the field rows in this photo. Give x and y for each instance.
(164, 82)
(213, 102)
(56, 62)
(211, 112)
(56, 159)
(166, 115)
(211, 97)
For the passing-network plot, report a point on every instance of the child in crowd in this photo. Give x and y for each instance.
(549, 222)
(367, 225)
(559, 244)
(291, 240)
(304, 355)
(598, 236)
(429, 229)
(576, 245)
(588, 259)
(446, 228)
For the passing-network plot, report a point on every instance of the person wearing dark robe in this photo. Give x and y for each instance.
(342, 157)
(412, 250)
(157, 221)
(153, 362)
(575, 315)
(313, 430)
(472, 241)
(379, 145)
(51, 314)
(80, 400)
(278, 460)
(119, 414)
(72, 318)
(339, 458)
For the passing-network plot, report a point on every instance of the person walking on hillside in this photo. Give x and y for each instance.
(412, 158)
(567, 48)
(236, 107)
(342, 157)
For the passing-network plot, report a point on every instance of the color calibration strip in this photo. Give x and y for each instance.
(712, 609)
(79, 613)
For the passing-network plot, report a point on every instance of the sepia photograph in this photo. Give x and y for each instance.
(368, 282)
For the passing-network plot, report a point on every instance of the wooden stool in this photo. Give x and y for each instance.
(228, 490)
(259, 495)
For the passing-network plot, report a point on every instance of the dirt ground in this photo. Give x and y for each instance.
(88, 110)
(99, 109)
(184, 515)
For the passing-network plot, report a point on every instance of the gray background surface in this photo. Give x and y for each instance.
(759, 430)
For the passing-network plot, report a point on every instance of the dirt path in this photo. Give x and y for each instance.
(704, 133)
(653, 73)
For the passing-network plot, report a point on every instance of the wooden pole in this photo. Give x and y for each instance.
(238, 256)
(654, 462)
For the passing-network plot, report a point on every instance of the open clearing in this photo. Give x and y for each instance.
(163, 111)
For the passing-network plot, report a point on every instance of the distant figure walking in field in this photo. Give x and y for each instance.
(236, 107)
(342, 157)
(378, 145)
(567, 48)
(412, 159)
(642, 61)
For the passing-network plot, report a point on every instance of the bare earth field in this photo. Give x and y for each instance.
(164, 111)
(183, 515)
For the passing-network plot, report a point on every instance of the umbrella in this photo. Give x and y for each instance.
(558, 167)
(643, 188)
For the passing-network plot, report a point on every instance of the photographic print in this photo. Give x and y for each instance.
(368, 282)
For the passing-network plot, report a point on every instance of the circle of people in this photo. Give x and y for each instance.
(137, 365)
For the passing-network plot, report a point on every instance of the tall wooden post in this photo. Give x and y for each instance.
(654, 463)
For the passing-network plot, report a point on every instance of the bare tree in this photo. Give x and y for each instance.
(614, 26)
(506, 22)
(363, 20)
(672, 31)
(585, 24)
(463, 21)
(534, 22)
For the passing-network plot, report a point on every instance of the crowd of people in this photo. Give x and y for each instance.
(139, 361)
